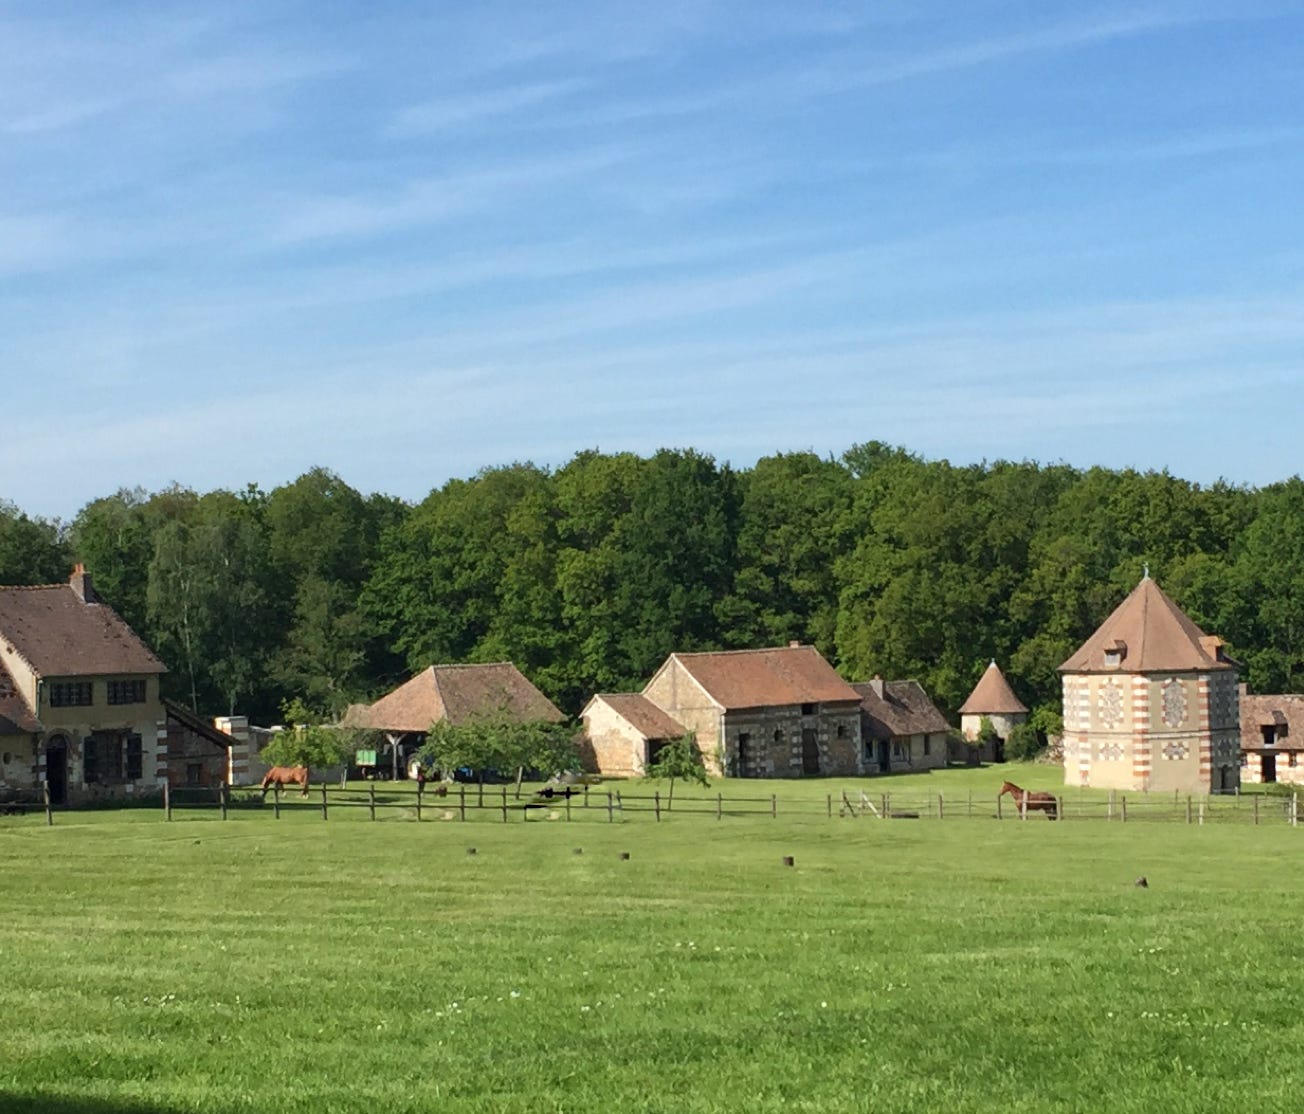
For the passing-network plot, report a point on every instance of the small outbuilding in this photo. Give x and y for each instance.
(1272, 738)
(456, 694)
(623, 731)
(901, 727)
(992, 699)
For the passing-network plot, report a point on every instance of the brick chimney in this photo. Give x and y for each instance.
(80, 581)
(877, 685)
(794, 643)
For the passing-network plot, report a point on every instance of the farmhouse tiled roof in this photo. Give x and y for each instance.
(1283, 712)
(16, 717)
(60, 634)
(992, 696)
(460, 694)
(1148, 633)
(767, 678)
(896, 708)
(641, 714)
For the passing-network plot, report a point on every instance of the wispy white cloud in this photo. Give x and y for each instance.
(458, 111)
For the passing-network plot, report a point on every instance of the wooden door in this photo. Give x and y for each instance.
(1269, 767)
(810, 751)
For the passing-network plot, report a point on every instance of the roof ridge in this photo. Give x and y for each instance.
(746, 650)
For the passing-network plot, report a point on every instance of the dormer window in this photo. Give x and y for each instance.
(1269, 734)
(1115, 652)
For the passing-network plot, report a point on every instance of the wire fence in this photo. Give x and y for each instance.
(584, 803)
(505, 804)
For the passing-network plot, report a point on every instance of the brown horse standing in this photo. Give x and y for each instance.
(286, 775)
(1027, 801)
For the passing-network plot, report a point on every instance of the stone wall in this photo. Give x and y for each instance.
(614, 748)
(771, 742)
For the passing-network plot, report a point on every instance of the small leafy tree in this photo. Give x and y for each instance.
(498, 743)
(680, 760)
(308, 742)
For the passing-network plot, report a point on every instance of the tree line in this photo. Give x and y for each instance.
(589, 574)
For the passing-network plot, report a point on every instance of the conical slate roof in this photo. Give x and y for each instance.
(992, 695)
(1147, 633)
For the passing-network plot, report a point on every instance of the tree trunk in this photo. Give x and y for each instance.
(520, 776)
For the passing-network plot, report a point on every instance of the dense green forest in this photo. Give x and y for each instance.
(588, 575)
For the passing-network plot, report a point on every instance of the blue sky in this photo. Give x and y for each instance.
(237, 241)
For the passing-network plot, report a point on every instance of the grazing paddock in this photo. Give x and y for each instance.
(298, 965)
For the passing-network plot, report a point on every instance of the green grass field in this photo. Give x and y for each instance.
(297, 965)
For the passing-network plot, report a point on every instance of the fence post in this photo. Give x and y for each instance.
(719, 807)
(1059, 808)
(774, 806)
(940, 807)
(1023, 806)
(611, 815)
(276, 801)
(49, 805)
(568, 797)
(222, 793)
(1110, 814)
(1202, 813)
(1256, 808)
(323, 800)
(656, 804)
(461, 802)
(887, 805)
(586, 795)
(999, 814)
(480, 802)
(971, 804)
(1188, 808)
(420, 787)
(1294, 810)
(504, 804)
(883, 801)
(371, 798)
(1122, 802)
(830, 805)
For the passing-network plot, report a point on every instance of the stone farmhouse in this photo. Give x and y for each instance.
(780, 712)
(1272, 738)
(1151, 703)
(456, 694)
(993, 698)
(901, 727)
(623, 731)
(79, 696)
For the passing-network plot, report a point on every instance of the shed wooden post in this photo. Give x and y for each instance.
(774, 806)
(656, 804)
(719, 806)
(461, 802)
(223, 793)
(611, 813)
(371, 798)
(1256, 808)
(504, 804)
(49, 806)
(420, 787)
(276, 801)
(999, 815)
(323, 800)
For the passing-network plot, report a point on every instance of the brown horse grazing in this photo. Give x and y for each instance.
(286, 775)
(1027, 801)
